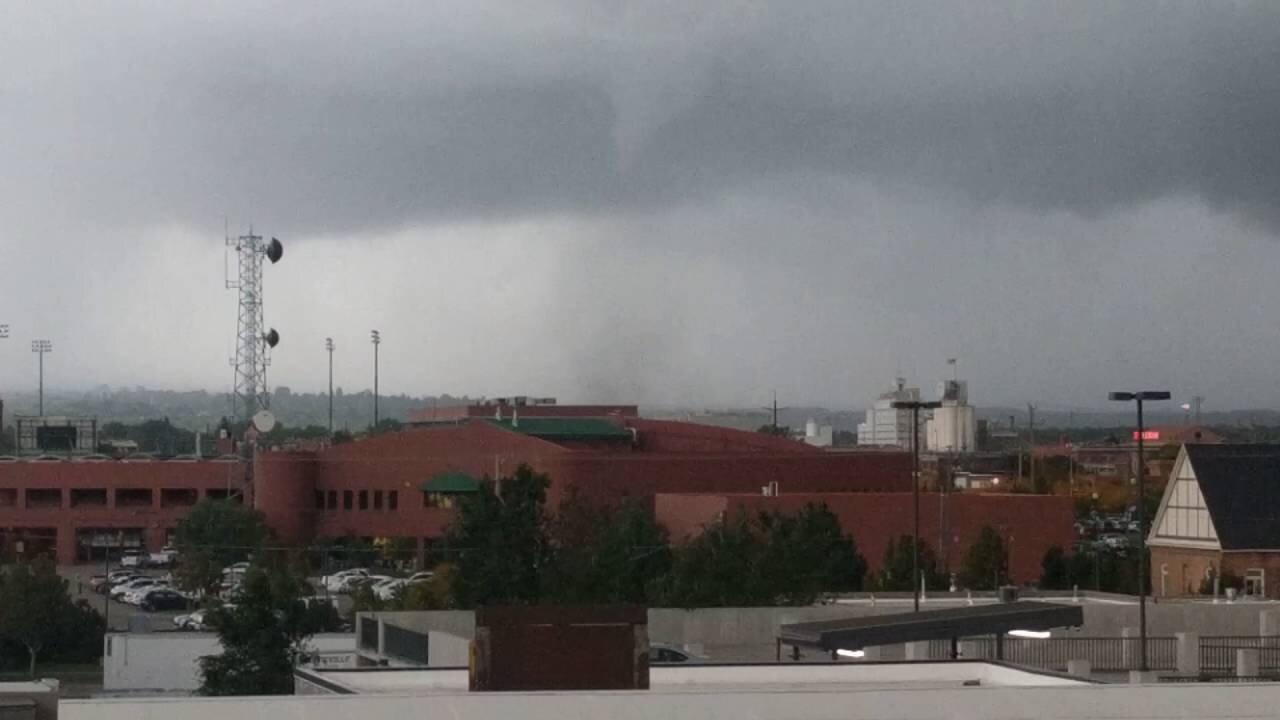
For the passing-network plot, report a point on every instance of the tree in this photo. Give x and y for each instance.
(895, 572)
(718, 568)
(263, 634)
(605, 554)
(986, 564)
(776, 431)
(215, 534)
(500, 543)
(37, 612)
(1055, 570)
(771, 559)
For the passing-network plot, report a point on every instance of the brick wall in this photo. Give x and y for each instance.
(950, 523)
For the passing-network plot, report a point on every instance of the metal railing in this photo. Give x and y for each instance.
(1105, 654)
(1218, 653)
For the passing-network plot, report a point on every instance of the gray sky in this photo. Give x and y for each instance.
(665, 202)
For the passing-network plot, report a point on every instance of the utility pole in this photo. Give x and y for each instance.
(1031, 442)
(773, 425)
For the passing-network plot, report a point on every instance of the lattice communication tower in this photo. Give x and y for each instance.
(253, 339)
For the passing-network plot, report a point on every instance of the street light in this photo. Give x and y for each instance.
(915, 406)
(41, 347)
(328, 345)
(376, 337)
(1139, 397)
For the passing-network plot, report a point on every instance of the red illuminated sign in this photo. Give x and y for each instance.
(1147, 435)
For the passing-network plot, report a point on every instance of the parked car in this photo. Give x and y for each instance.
(198, 621)
(336, 581)
(1115, 541)
(235, 568)
(163, 599)
(421, 576)
(134, 559)
(663, 654)
(102, 583)
(164, 558)
(118, 591)
(386, 589)
(135, 596)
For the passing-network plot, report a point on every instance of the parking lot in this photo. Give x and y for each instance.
(122, 616)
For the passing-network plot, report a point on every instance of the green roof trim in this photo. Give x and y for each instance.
(566, 428)
(451, 481)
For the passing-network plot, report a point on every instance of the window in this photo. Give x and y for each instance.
(437, 500)
(178, 497)
(1255, 582)
(133, 497)
(377, 499)
(333, 500)
(346, 499)
(88, 497)
(364, 499)
(393, 500)
(319, 499)
(44, 498)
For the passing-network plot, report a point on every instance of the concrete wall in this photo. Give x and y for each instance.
(448, 650)
(170, 661)
(1097, 702)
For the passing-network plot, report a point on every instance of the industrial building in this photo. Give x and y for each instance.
(887, 426)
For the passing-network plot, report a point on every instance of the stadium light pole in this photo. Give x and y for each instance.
(4, 335)
(328, 345)
(1139, 397)
(376, 338)
(41, 347)
(915, 406)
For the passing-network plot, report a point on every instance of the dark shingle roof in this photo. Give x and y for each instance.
(1241, 488)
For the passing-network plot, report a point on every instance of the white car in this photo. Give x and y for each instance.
(387, 589)
(119, 591)
(336, 581)
(422, 576)
(135, 596)
(236, 568)
(351, 582)
(164, 558)
(133, 559)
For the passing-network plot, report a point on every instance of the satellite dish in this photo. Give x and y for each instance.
(272, 337)
(263, 421)
(275, 251)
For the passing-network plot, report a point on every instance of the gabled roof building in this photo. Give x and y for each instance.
(1219, 517)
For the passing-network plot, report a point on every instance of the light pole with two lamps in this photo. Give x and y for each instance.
(1139, 397)
(41, 347)
(376, 338)
(915, 406)
(328, 345)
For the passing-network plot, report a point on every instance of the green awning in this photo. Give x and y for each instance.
(451, 481)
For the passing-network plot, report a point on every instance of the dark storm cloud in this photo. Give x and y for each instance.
(366, 119)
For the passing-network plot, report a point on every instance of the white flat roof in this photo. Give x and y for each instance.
(698, 678)
(1096, 702)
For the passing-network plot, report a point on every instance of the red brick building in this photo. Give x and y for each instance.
(385, 486)
(949, 522)
(76, 508)
(1218, 516)
(404, 485)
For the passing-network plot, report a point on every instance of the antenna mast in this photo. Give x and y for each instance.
(253, 340)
